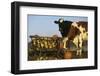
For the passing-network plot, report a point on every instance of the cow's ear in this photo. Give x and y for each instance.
(56, 22)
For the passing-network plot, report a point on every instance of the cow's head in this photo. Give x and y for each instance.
(64, 26)
(60, 23)
(61, 20)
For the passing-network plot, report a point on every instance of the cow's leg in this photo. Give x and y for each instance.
(64, 42)
(78, 50)
(76, 41)
(80, 45)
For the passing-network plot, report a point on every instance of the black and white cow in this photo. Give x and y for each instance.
(76, 32)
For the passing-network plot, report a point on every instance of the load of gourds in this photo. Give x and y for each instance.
(39, 43)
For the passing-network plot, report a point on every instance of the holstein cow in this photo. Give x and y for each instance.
(73, 31)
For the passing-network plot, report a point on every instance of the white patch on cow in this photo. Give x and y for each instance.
(74, 24)
(75, 41)
(84, 33)
(81, 29)
(61, 20)
(85, 36)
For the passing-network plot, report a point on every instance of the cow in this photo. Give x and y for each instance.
(76, 32)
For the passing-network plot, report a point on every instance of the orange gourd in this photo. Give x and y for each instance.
(67, 54)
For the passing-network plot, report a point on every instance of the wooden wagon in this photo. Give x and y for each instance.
(45, 48)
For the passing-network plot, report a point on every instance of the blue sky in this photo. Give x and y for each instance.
(43, 25)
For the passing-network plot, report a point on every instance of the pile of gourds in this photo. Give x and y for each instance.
(39, 43)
